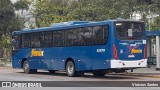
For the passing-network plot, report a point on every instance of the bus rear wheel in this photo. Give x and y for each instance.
(70, 69)
(99, 73)
(27, 69)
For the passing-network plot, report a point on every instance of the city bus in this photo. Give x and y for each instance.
(81, 46)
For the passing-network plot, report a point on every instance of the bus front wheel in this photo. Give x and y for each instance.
(70, 69)
(27, 69)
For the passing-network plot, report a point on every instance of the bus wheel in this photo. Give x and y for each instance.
(27, 69)
(51, 71)
(70, 69)
(98, 73)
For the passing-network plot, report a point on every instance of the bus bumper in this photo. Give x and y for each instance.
(128, 64)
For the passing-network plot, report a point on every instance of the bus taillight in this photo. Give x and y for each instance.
(115, 52)
(145, 51)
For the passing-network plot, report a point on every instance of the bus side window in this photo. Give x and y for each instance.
(47, 39)
(58, 38)
(26, 40)
(68, 37)
(71, 37)
(75, 37)
(35, 42)
(100, 34)
(86, 36)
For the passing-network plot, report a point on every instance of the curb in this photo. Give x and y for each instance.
(151, 76)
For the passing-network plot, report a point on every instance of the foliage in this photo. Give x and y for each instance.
(53, 11)
(6, 47)
(156, 24)
(22, 5)
(6, 16)
(48, 11)
(6, 41)
(9, 22)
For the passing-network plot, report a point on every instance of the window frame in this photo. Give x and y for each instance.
(61, 40)
(126, 36)
(17, 43)
(44, 42)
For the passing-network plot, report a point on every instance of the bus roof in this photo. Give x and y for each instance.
(67, 25)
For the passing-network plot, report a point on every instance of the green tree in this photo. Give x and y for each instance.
(50, 11)
(22, 5)
(6, 47)
(156, 24)
(6, 16)
(53, 11)
(92, 10)
(9, 22)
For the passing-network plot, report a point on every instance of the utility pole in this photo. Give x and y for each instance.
(157, 54)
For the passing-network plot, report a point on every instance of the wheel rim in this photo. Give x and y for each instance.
(26, 66)
(70, 69)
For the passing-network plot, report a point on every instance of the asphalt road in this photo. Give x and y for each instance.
(9, 74)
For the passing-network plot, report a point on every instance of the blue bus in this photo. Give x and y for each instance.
(81, 46)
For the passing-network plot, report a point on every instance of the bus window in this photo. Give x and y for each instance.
(71, 37)
(86, 35)
(36, 38)
(15, 42)
(100, 34)
(127, 30)
(58, 38)
(26, 42)
(47, 39)
(137, 29)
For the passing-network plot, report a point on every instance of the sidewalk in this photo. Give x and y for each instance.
(151, 70)
(1, 64)
(6, 65)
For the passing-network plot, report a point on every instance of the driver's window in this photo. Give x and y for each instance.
(15, 42)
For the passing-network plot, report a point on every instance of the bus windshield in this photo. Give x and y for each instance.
(126, 30)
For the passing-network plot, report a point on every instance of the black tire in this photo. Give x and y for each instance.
(27, 69)
(98, 73)
(51, 71)
(70, 69)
